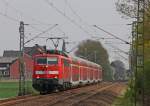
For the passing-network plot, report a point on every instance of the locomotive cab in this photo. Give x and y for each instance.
(46, 72)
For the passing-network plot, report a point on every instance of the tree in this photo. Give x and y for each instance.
(119, 70)
(95, 52)
(129, 7)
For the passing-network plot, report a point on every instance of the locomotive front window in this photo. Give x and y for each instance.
(52, 60)
(41, 60)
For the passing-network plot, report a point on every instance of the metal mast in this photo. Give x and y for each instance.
(21, 61)
(140, 49)
(133, 57)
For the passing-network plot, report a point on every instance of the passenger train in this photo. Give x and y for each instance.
(56, 70)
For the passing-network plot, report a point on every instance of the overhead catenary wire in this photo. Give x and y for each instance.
(108, 42)
(79, 17)
(41, 33)
(111, 34)
(51, 4)
(74, 12)
(40, 30)
(17, 20)
(9, 17)
(22, 13)
(103, 38)
(67, 17)
(122, 56)
(119, 49)
(118, 53)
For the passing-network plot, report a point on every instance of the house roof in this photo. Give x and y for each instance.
(11, 53)
(7, 59)
(28, 50)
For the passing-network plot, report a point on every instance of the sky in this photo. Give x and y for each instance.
(75, 19)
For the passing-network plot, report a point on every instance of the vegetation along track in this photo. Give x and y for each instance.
(72, 97)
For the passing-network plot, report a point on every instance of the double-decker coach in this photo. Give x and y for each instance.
(56, 70)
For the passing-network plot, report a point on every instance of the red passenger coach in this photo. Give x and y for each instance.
(57, 70)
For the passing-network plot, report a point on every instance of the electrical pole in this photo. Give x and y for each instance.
(140, 48)
(134, 58)
(64, 46)
(21, 61)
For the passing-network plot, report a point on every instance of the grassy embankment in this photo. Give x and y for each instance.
(128, 98)
(10, 89)
(125, 99)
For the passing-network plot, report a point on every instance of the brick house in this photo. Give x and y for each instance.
(9, 63)
(5, 63)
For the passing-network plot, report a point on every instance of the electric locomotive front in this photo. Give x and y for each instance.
(55, 70)
(46, 72)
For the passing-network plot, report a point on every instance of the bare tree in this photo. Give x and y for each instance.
(129, 8)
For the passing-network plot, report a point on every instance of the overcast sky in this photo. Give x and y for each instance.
(75, 18)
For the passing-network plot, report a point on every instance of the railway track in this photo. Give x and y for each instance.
(75, 99)
(66, 98)
(104, 98)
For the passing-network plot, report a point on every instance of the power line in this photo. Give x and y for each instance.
(74, 12)
(77, 15)
(9, 17)
(119, 49)
(21, 13)
(67, 17)
(108, 42)
(111, 34)
(103, 38)
(122, 56)
(41, 33)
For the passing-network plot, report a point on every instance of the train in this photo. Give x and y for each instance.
(57, 70)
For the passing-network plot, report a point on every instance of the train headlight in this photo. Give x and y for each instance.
(56, 77)
(38, 77)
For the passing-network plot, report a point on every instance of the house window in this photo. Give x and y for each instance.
(6, 73)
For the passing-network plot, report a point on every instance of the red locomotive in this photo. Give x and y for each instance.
(57, 70)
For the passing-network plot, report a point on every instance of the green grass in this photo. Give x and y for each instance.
(122, 101)
(125, 99)
(10, 89)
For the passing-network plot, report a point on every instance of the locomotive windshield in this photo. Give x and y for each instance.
(47, 60)
(41, 60)
(52, 60)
